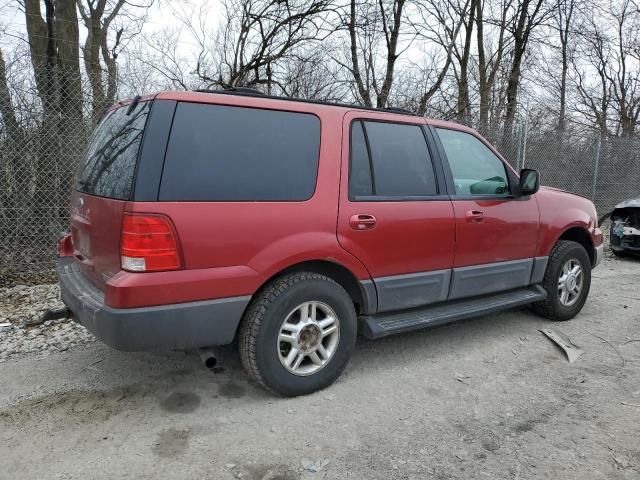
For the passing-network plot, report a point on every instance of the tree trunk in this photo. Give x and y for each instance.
(12, 150)
(6, 107)
(71, 123)
(512, 88)
(463, 107)
(488, 70)
(392, 48)
(363, 90)
(525, 23)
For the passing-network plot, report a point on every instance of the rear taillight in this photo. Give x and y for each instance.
(148, 244)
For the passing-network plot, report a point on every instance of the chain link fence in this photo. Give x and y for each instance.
(42, 139)
(603, 169)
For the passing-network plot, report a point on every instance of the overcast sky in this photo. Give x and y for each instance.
(162, 14)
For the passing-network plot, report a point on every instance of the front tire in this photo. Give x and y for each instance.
(567, 281)
(298, 334)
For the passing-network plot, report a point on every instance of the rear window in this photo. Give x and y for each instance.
(110, 161)
(222, 153)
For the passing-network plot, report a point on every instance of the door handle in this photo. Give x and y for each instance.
(362, 221)
(475, 216)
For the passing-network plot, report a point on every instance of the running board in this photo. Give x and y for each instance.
(383, 324)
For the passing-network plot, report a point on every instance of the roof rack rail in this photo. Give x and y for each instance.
(398, 110)
(251, 92)
(241, 90)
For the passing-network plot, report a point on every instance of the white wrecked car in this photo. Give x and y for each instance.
(625, 227)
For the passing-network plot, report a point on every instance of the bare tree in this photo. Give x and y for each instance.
(529, 14)
(625, 74)
(372, 28)
(255, 36)
(158, 62)
(564, 22)
(54, 44)
(442, 21)
(610, 99)
(308, 75)
(7, 110)
(98, 17)
(463, 55)
(595, 97)
(489, 63)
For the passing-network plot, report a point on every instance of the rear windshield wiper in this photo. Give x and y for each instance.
(133, 105)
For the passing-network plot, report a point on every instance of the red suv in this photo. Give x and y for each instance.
(201, 218)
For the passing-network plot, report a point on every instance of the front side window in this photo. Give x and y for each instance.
(390, 160)
(476, 170)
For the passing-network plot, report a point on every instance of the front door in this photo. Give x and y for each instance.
(496, 233)
(394, 214)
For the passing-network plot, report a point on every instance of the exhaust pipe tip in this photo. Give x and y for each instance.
(208, 358)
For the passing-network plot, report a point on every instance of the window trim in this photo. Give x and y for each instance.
(433, 159)
(511, 177)
(246, 107)
(154, 145)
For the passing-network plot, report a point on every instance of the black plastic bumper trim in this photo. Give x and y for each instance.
(181, 326)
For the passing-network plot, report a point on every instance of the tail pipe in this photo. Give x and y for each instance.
(208, 358)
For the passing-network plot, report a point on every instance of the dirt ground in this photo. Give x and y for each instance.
(485, 398)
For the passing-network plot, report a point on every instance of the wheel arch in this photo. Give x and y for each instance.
(582, 236)
(362, 292)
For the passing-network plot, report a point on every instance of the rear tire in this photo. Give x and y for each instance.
(567, 281)
(298, 334)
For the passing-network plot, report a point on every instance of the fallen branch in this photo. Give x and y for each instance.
(624, 362)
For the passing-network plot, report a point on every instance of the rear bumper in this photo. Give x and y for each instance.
(181, 326)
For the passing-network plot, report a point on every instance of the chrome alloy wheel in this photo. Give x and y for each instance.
(308, 338)
(570, 282)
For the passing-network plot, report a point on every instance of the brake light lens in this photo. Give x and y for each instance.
(148, 244)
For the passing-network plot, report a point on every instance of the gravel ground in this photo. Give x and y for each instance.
(485, 398)
(22, 305)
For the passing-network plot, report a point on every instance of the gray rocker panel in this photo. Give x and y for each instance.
(400, 292)
(490, 278)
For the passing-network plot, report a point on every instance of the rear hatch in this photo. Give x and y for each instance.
(102, 186)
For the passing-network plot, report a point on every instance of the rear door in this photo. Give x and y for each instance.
(394, 214)
(496, 233)
(102, 187)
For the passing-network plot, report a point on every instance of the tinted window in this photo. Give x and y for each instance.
(475, 168)
(110, 162)
(360, 169)
(400, 158)
(219, 153)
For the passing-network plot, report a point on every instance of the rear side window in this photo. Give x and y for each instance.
(390, 160)
(110, 161)
(222, 153)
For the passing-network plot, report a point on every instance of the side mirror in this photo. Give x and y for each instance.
(529, 181)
